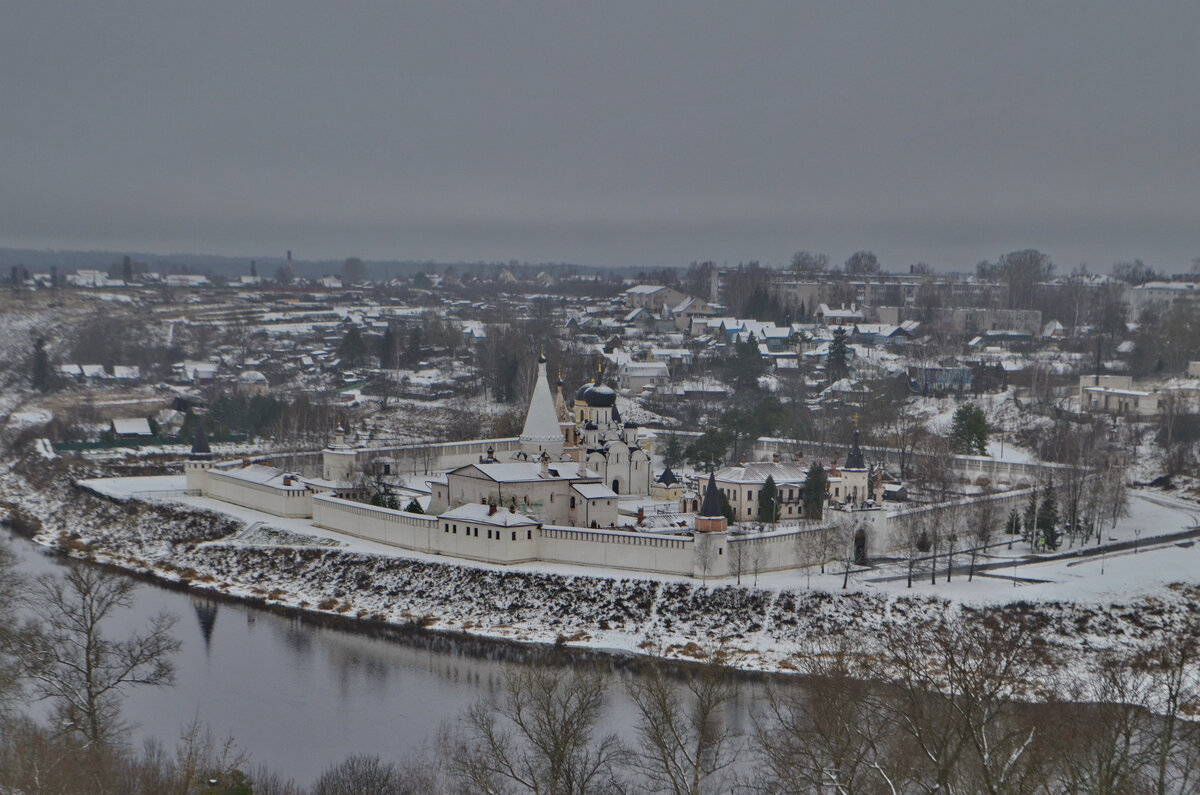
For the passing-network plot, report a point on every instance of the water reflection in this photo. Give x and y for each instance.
(300, 693)
(206, 617)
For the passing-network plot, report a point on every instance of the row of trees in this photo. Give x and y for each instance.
(931, 706)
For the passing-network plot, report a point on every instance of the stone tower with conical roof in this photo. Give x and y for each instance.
(711, 518)
(200, 460)
(711, 538)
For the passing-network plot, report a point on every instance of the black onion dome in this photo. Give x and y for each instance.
(600, 396)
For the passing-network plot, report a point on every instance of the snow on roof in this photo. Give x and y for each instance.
(594, 491)
(522, 471)
(482, 514)
(753, 473)
(92, 370)
(645, 289)
(126, 372)
(133, 426)
(645, 368)
(257, 473)
(70, 369)
(844, 385)
(1180, 286)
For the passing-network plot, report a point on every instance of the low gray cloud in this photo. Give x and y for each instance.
(608, 133)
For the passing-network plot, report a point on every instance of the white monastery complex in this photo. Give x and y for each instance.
(554, 494)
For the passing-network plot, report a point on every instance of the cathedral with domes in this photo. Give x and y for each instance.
(590, 432)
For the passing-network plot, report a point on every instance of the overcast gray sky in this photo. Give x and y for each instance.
(605, 133)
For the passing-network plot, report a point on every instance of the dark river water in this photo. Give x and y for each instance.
(299, 694)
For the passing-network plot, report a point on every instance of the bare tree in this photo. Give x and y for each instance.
(739, 554)
(1170, 666)
(75, 666)
(1102, 737)
(958, 683)
(537, 735)
(985, 516)
(828, 734)
(369, 775)
(1114, 500)
(12, 584)
(846, 529)
(686, 745)
(912, 538)
(758, 559)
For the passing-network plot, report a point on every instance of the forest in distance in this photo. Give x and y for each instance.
(986, 705)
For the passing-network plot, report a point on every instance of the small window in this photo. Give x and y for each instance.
(447, 530)
(528, 535)
(489, 535)
(514, 535)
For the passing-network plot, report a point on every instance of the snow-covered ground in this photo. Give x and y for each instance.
(1068, 577)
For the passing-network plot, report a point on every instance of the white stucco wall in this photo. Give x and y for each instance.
(293, 502)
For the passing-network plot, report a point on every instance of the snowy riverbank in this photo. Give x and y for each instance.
(145, 525)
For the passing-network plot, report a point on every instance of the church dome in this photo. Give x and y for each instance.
(600, 396)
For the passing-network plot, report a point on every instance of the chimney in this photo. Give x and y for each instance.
(512, 508)
(491, 509)
(641, 514)
(287, 480)
(245, 462)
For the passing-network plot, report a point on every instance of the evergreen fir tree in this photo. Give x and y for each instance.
(837, 362)
(816, 484)
(39, 374)
(727, 509)
(969, 430)
(352, 349)
(673, 451)
(1047, 520)
(768, 501)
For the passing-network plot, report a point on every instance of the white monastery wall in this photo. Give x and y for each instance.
(293, 502)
